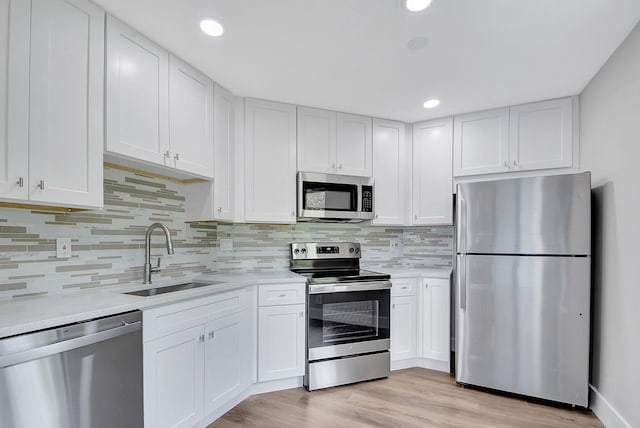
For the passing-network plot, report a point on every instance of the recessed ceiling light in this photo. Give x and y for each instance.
(416, 5)
(431, 103)
(211, 27)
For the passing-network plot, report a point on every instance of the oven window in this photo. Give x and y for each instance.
(338, 318)
(330, 197)
(349, 321)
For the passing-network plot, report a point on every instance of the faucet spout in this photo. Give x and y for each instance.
(147, 249)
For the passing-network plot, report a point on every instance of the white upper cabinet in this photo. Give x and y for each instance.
(432, 175)
(526, 137)
(337, 143)
(389, 172)
(54, 77)
(541, 135)
(270, 162)
(159, 109)
(14, 99)
(481, 142)
(190, 119)
(137, 96)
(316, 140)
(207, 200)
(353, 153)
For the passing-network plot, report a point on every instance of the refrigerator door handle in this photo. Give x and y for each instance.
(462, 280)
(462, 227)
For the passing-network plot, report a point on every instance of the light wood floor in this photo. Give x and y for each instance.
(408, 398)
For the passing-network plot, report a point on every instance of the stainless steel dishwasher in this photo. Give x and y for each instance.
(81, 375)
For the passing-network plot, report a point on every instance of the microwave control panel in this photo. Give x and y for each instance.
(367, 199)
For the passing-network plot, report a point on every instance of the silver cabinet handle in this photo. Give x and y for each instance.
(415, 217)
(333, 165)
(301, 314)
(20, 182)
(376, 215)
(506, 164)
(293, 213)
(404, 287)
(219, 209)
(393, 306)
(426, 285)
(340, 167)
(282, 295)
(177, 156)
(515, 163)
(201, 338)
(212, 334)
(41, 185)
(167, 154)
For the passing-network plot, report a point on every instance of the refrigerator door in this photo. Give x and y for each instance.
(536, 215)
(523, 325)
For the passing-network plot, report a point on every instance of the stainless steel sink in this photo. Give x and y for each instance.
(171, 288)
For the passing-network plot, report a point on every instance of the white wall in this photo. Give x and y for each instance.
(610, 148)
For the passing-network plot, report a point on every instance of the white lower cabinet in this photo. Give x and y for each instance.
(436, 320)
(404, 319)
(281, 331)
(196, 358)
(420, 322)
(173, 373)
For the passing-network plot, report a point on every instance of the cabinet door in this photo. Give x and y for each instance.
(541, 135)
(66, 102)
(223, 126)
(353, 148)
(270, 162)
(389, 172)
(316, 140)
(173, 373)
(436, 320)
(14, 99)
(481, 142)
(137, 95)
(404, 323)
(225, 353)
(190, 119)
(432, 175)
(281, 342)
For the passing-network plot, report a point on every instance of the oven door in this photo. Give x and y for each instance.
(348, 319)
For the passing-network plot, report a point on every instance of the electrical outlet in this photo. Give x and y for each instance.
(63, 248)
(225, 244)
(395, 247)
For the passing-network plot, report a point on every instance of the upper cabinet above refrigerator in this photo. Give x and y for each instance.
(535, 215)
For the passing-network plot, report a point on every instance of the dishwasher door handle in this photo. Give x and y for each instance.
(67, 345)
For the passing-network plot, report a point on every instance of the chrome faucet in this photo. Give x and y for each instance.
(147, 250)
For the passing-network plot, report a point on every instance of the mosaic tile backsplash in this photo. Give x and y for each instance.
(108, 244)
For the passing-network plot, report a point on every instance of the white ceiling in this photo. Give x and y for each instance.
(352, 55)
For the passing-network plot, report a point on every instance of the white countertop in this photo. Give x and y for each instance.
(40, 312)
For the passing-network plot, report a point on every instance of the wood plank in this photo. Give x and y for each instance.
(408, 398)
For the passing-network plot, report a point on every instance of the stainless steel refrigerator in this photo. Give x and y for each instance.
(523, 286)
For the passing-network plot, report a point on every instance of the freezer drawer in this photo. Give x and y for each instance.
(536, 215)
(523, 325)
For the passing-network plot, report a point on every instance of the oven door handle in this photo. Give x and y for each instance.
(351, 286)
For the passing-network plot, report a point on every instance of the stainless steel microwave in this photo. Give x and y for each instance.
(334, 198)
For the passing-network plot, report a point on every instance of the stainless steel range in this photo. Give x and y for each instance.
(348, 309)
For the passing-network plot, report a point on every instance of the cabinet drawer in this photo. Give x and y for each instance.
(281, 294)
(164, 320)
(404, 286)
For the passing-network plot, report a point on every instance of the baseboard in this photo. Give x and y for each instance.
(425, 363)
(276, 385)
(607, 414)
(224, 408)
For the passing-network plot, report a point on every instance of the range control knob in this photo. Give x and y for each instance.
(351, 250)
(357, 250)
(296, 251)
(303, 251)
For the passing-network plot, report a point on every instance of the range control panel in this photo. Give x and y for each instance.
(316, 250)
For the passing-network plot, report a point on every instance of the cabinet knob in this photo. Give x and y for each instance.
(177, 156)
(219, 209)
(20, 182)
(41, 185)
(340, 166)
(415, 217)
(426, 285)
